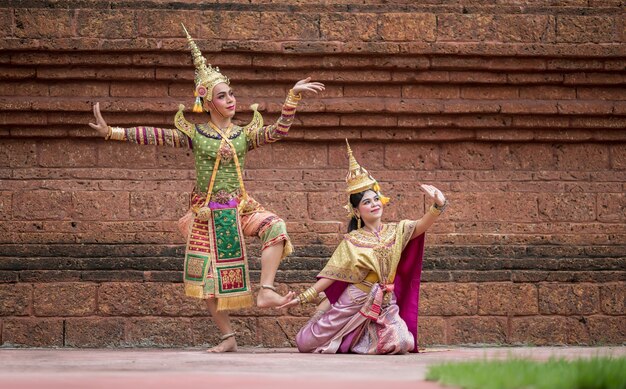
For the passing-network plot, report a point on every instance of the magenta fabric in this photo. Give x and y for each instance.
(231, 204)
(406, 285)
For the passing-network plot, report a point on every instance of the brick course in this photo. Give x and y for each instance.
(516, 113)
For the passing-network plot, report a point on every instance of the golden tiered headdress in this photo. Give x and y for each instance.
(206, 76)
(360, 180)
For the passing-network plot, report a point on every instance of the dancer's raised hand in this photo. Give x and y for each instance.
(101, 125)
(434, 194)
(307, 85)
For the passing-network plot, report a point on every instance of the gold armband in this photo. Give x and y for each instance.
(116, 133)
(308, 295)
(438, 209)
(292, 98)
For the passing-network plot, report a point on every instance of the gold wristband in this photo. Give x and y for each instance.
(438, 209)
(434, 210)
(292, 98)
(308, 295)
(116, 133)
(109, 132)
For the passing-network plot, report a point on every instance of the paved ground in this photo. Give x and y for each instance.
(250, 368)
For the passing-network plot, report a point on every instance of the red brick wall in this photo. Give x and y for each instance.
(515, 109)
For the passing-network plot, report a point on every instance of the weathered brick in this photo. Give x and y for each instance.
(42, 204)
(516, 207)
(292, 26)
(119, 155)
(349, 27)
(431, 331)
(467, 156)
(472, 330)
(611, 207)
(279, 332)
(525, 28)
(18, 153)
(448, 300)
(585, 29)
(507, 299)
(548, 330)
(143, 299)
(618, 156)
(60, 154)
(568, 299)
(430, 91)
(422, 156)
(489, 92)
(371, 91)
(326, 206)
(408, 27)
(96, 205)
(15, 299)
(6, 205)
(159, 332)
(158, 205)
(64, 299)
(580, 107)
(547, 93)
(73, 89)
(6, 19)
(293, 155)
(476, 27)
(605, 330)
(613, 299)
(567, 207)
(43, 23)
(599, 93)
(94, 332)
(526, 156)
(32, 332)
(147, 89)
(109, 24)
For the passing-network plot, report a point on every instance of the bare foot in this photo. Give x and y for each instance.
(267, 298)
(225, 346)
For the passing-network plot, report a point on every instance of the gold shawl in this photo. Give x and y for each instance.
(362, 252)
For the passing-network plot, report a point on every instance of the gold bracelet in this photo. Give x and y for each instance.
(292, 98)
(117, 133)
(438, 209)
(308, 295)
(434, 210)
(109, 132)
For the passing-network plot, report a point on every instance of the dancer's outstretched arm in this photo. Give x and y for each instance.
(140, 135)
(321, 285)
(261, 135)
(431, 216)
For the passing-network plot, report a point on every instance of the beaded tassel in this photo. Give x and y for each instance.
(197, 107)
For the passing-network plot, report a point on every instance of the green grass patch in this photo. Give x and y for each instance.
(593, 373)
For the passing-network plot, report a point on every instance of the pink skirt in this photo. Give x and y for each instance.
(345, 329)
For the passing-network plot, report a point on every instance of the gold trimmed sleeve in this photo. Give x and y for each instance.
(151, 136)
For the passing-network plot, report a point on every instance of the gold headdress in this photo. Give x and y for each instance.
(360, 180)
(206, 76)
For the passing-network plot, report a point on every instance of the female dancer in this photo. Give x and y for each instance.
(372, 279)
(222, 213)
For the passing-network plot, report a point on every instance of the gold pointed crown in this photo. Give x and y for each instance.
(358, 179)
(206, 76)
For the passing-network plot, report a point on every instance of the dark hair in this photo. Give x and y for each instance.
(355, 200)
